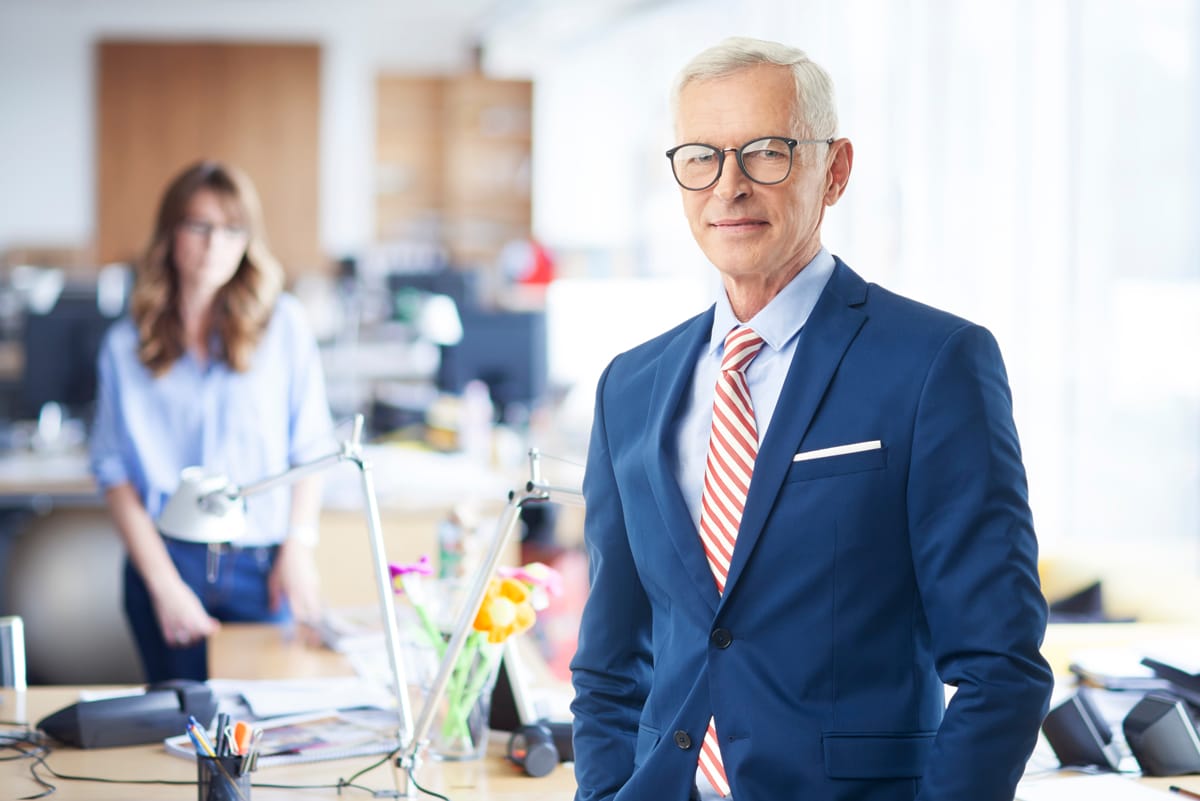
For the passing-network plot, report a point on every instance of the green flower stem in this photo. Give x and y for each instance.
(427, 623)
(456, 716)
(481, 675)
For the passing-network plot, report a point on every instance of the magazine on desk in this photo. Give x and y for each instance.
(333, 734)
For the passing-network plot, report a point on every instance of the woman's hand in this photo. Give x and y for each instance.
(181, 616)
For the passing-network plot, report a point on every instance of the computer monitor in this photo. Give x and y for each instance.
(504, 349)
(459, 285)
(61, 347)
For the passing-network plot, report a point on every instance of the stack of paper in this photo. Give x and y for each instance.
(1106, 787)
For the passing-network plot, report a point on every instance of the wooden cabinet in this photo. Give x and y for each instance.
(164, 105)
(453, 161)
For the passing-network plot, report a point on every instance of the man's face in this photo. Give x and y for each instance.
(757, 235)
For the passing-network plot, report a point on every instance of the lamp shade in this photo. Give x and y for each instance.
(200, 511)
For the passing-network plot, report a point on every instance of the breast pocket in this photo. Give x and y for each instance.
(841, 464)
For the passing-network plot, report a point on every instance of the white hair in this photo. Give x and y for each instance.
(815, 112)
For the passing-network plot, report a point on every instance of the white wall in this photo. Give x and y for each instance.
(47, 97)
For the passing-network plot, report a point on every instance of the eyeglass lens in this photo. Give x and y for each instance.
(765, 161)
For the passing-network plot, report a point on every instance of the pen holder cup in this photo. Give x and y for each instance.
(221, 779)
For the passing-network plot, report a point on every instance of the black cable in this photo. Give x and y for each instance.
(29, 746)
(26, 745)
(385, 758)
(413, 779)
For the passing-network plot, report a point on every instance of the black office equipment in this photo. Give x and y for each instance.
(535, 746)
(60, 348)
(504, 349)
(1079, 735)
(1162, 737)
(1183, 683)
(161, 712)
(539, 747)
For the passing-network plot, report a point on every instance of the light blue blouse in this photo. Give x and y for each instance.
(246, 426)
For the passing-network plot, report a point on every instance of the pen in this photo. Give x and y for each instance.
(197, 733)
(201, 746)
(1185, 793)
(223, 734)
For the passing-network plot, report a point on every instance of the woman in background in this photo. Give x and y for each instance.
(214, 366)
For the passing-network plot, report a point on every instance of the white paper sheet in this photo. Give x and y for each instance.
(1107, 787)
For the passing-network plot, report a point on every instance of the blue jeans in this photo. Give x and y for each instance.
(237, 593)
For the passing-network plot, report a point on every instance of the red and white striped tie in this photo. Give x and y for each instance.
(732, 447)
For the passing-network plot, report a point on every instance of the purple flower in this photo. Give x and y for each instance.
(397, 572)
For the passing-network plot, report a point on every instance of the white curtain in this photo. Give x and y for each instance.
(1029, 165)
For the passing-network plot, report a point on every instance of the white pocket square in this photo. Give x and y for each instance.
(838, 450)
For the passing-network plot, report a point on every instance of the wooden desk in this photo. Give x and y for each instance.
(255, 651)
(492, 778)
(263, 651)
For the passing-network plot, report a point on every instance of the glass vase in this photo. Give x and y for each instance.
(459, 730)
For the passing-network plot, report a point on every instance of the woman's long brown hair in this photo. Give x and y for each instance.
(242, 308)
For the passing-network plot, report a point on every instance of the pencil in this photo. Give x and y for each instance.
(197, 735)
(1185, 793)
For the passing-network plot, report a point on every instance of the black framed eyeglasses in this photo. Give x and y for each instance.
(767, 160)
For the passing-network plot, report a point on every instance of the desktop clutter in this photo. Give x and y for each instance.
(224, 759)
(1159, 730)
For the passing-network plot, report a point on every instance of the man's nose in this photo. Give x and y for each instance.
(733, 183)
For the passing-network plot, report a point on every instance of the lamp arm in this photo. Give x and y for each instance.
(351, 451)
(556, 494)
(464, 625)
(289, 476)
(387, 606)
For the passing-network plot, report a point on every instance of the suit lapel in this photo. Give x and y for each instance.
(672, 381)
(830, 329)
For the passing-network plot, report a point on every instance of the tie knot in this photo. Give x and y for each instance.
(741, 346)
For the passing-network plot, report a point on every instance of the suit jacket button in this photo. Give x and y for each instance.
(683, 740)
(722, 638)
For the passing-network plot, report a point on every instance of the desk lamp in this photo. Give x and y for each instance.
(210, 509)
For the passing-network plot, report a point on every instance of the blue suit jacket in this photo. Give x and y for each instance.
(860, 583)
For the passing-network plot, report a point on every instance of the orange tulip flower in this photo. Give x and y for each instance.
(505, 610)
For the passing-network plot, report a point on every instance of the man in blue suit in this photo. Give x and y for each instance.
(885, 545)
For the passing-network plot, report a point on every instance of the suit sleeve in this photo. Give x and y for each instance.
(611, 667)
(975, 555)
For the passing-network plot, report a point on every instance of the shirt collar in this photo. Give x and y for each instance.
(786, 313)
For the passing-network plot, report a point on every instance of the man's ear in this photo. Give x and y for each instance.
(841, 159)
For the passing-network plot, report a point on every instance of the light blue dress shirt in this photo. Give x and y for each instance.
(245, 426)
(779, 324)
